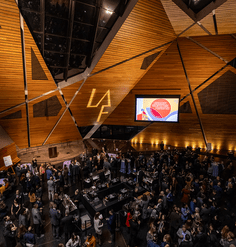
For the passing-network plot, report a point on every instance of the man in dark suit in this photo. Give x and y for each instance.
(18, 173)
(67, 225)
(90, 164)
(55, 216)
(134, 228)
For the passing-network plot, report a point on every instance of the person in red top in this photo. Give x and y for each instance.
(186, 194)
(129, 217)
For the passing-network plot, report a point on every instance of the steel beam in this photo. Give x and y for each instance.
(191, 92)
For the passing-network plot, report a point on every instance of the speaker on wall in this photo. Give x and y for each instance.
(52, 152)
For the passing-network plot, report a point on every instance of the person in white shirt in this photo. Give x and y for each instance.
(74, 241)
(98, 226)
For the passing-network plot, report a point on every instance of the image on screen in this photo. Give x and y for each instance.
(157, 108)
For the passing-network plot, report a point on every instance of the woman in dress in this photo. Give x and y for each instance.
(15, 209)
(98, 226)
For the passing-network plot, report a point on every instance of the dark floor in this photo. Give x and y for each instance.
(48, 240)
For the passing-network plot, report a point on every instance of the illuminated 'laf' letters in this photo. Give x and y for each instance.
(102, 108)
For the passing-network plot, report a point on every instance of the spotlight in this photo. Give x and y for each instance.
(109, 12)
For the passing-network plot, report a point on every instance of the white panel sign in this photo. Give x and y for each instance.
(7, 160)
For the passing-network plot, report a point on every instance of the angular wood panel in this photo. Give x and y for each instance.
(195, 30)
(199, 63)
(178, 18)
(117, 82)
(65, 131)
(69, 91)
(220, 129)
(36, 87)
(222, 45)
(8, 150)
(11, 67)
(166, 76)
(226, 18)
(38, 134)
(146, 27)
(16, 128)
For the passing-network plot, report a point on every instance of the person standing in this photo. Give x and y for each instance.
(111, 224)
(134, 228)
(90, 241)
(50, 184)
(9, 234)
(18, 173)
(67, 225)
(83, 158)
(74, 241)
(37, 220)
(55, 216)
(98, 226)
(29, 238)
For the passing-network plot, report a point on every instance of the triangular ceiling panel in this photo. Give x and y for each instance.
(65, 131)
(222, 45)
(49, 111)
(226, 18)
(16, 128)
(178, 18)
(37, 70)
(185, 108)
(208, 23)
(15, 115)
(219, 129)
(200, 64)
(170, 77)
(219, 96)
(11, 67)
(166, 76)
(148, 60)
(36, 87)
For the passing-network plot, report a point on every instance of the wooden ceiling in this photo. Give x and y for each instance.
(106, 96)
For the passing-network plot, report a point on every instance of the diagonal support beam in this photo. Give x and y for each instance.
(95, 30)
(215, 22)
(203, 28)
(25, 76)
(205, 48)
(200, 85)
(67, 108)
(42, 12)
(191, 92)
(69, 34)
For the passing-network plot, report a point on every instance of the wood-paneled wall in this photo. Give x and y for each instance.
(11, 68)
(167, 77)
(151, 23)
(38, 134)
(8, 150)
(146, 27)
(65, 131)
(16, 128)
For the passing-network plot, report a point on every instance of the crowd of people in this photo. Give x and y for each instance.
(190, 202)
